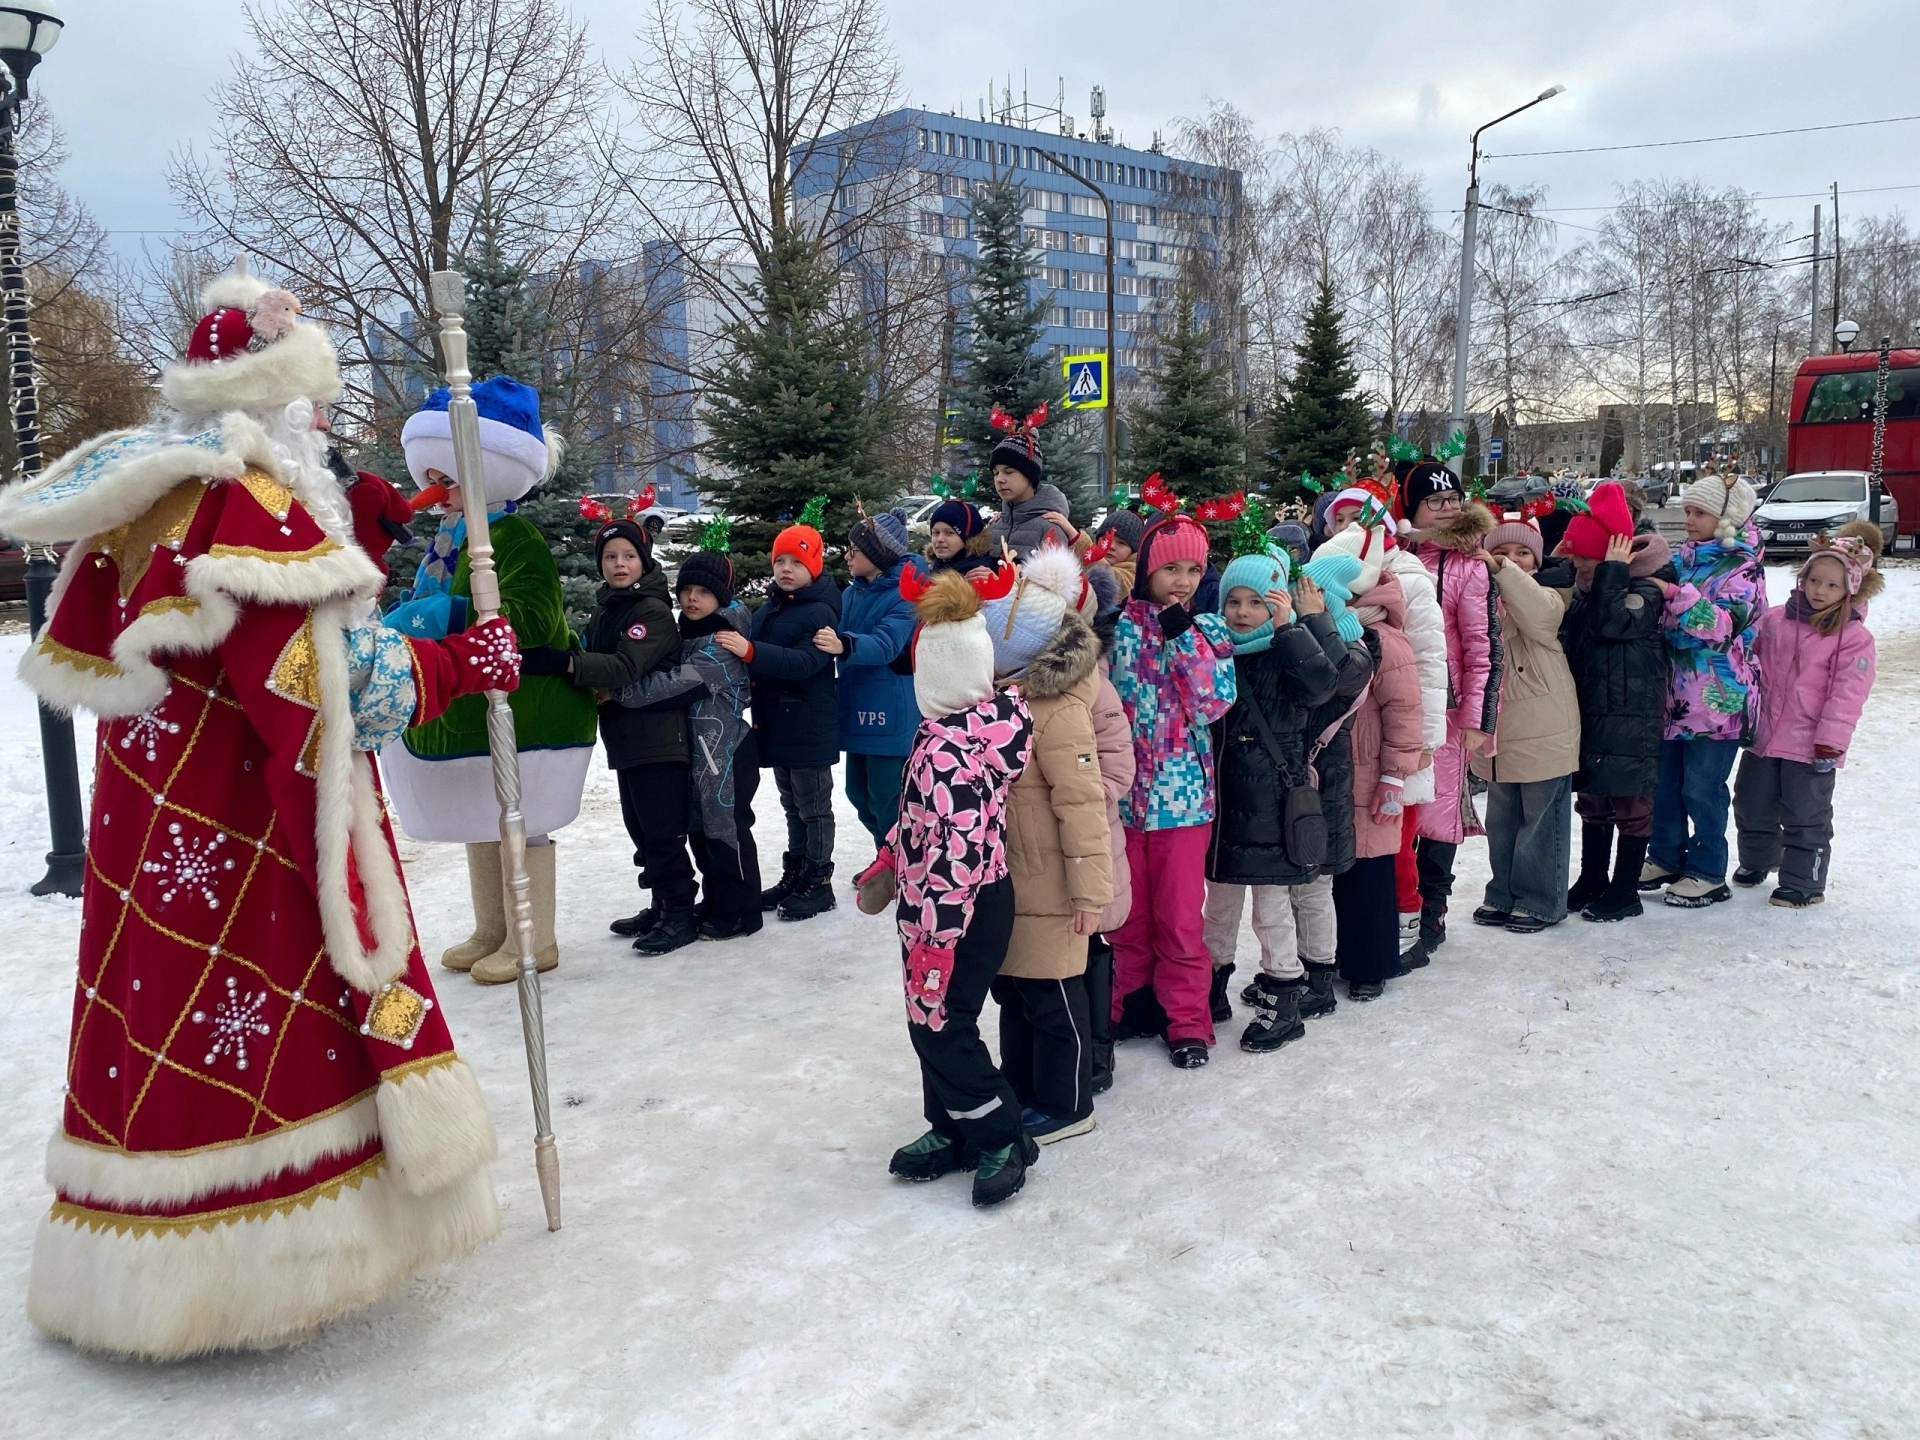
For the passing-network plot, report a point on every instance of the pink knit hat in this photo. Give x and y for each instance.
(1855, 557)
(1517, 530)
(1177, 537)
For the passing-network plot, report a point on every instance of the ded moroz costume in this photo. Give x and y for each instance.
(265, 1122)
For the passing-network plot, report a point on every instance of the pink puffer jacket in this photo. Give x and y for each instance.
(1470, 605)
(1113, 740)
(1812, 686)
(1387, 726)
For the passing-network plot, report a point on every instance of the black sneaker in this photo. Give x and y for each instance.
(1217, 998)
(927, 1158)
(1418, 958)
(1488, 916)
(1045, 1129)
(1747, 879)
(1433, 931)
(1794, 899)
(1318, 998)
(634, 925)
(673, 932)
(812, 895)
(1188, 1054)
(1276, 1021)
(730, 927)
(1001, 1173)
(791, 869)
(1521, 923)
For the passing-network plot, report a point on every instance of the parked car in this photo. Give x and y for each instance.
(1818, 503)
(1515, 490)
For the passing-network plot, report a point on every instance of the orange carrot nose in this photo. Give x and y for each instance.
(431, 495)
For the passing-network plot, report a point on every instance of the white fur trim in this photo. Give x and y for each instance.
(92, 1174)
(232, 291)
(349, 816)
(299, 366)
(1056, 569)
(249, 1285)
(435, 1127)
(515, 460)
(452, 800)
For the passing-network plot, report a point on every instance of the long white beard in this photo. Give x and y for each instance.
(302, 453)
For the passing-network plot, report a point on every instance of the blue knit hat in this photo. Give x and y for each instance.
(1258, 573)
(1335, 574)
(516, 451)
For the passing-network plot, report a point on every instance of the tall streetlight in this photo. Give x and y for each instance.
(1061, 163)
(1468, 224)
(27, 33)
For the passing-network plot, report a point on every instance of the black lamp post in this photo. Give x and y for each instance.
(25, 35)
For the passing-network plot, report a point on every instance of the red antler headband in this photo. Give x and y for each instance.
(1023, 430)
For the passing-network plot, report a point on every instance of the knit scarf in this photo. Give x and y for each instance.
(704, 626)
(1252, 642)
(435, 575)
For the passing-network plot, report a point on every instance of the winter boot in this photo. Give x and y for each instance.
(1690, 892)
(1276, 1021)
(1795, 899)
(1217, 997)
(811, 895)
(1621, 899)
(1433, 929)
(1409, 930)
(677, 928)
(1318, 998)
(1188, 1054)
(629, 926)
(791, 869)
(1141, 1015)
(1046, 1129)
(1100, 1004)
(489, 909)
(1491, 917)
(1746, 877)
(927, 1158)
(1653, 876)
(1596, 849)
(503, 966)
(1002, 1172)
(729, 927)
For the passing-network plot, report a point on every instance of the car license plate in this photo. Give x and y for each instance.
(1793, 534)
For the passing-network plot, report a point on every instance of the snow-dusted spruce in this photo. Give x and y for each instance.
(248, 1145)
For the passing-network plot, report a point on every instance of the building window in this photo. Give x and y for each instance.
(1059, 315)
(1056, 276)
(1094, 280)
(956, 226)
(1089, 319)
(1089, 244)
(1088, 205)
(1132, 320)
(923, 139)
(930, 222)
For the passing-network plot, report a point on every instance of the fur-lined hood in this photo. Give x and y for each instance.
(1064, 661)
(1464, 532)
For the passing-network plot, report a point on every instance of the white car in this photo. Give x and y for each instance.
(1819, 502)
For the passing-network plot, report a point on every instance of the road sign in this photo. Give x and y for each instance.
(1496, 449)
(1086, 381)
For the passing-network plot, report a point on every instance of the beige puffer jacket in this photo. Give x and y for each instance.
(1539, 727)
(1059, 849)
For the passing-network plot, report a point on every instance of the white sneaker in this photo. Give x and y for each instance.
(1409, 931)
(1652, 877)
(1693, 893)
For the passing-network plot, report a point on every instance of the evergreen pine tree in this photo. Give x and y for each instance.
(1188, 433)
(791, 413)
(1320, 418)
(1005, 363)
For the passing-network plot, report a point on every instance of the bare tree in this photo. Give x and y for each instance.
(1404, 285)
(353, 145)
(1521, 340)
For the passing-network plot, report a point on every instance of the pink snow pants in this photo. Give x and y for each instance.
(1163, 940)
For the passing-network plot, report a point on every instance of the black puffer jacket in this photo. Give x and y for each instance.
(796, 709)
(1335, 762)
(1298, 672)
(631, 634)
(1619, 659)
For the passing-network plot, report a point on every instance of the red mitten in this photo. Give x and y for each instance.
(486, 657)
(878, 884)
(380, 516)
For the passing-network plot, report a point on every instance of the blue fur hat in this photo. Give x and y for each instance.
(1335, 574)
(1258, 573)
(517, 452)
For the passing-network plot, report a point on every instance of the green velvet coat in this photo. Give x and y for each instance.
(548, 712)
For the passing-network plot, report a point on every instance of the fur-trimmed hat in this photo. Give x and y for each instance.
(952, 656)
(517, 452)
(251, 351)
(1025, 619)
(1728, 496)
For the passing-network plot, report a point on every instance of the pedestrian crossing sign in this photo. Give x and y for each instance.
(1086, 381)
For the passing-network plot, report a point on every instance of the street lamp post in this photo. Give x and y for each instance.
(27, 33)
(1113, 342)
(1469, 222)
(1844, 333)
(1879, 429)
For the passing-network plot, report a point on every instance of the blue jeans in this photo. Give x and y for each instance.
(1529, 836)
(1693, 789)
(873, 785)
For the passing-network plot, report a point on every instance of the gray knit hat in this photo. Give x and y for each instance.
(881, 538)
(1125, 524)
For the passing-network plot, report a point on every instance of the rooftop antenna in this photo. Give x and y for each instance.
(1097, 107)
(1060, 108)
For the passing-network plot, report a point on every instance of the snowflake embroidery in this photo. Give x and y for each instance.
(144, 730)
(234, 1020)
(190, 866)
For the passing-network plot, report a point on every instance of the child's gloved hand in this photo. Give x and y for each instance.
(544, 660)
(1175, 621)
(878, 884)
(1386, 801)
(485, 657)
(1826, 758)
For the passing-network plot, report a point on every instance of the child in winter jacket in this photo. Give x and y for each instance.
(1058, 845)
(956, 904)
(1447, 529)
(1620, 662)
(1711, 619)
(873, 644)
(1386, 749)
(796, 718)
(1536, 742)
(1282, 670)
(957, 539)
(631, 634)
(1817, 656)
(1173, 670)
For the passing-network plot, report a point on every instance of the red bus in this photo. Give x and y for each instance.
(1830, 422)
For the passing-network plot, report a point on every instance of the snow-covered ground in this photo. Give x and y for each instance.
(1653, 1179)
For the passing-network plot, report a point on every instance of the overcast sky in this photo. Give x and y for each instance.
(134, 80)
